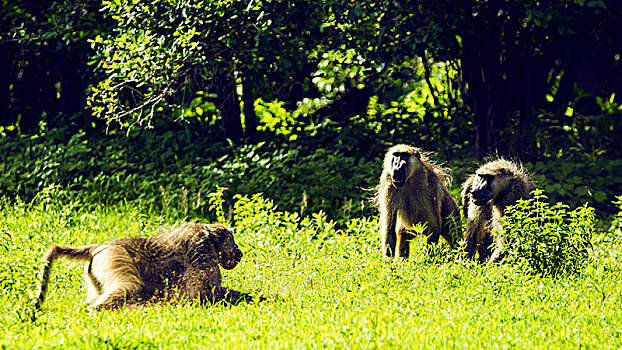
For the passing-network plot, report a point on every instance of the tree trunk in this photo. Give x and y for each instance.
(525, 117)
(477, 95)
(250, 118)
(5, 81)
(483, 74)
(228, 104)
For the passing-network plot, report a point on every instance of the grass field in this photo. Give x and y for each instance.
(329, 288)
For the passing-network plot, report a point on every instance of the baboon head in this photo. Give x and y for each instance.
(229, 255)
(401, 161)
(490, 180)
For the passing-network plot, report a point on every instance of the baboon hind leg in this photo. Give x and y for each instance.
(402, 246)
(116, 276)
(389, 240)
(450, 227)
(498, 245)
(403, 236)
(433, 234)
(93, 287)
(484, 248)
(470, 237)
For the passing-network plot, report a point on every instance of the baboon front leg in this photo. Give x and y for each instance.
(402, 246)
(197, 280)
(388, 235)
(497, 254)
(203, 282)
(230, 296)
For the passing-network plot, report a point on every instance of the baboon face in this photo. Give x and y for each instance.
(230, 255)
(487, 186)
(402, 166)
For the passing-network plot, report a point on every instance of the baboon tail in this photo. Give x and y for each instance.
(55, 251)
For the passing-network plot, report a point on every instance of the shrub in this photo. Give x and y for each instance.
(607, 253)
(547, 239)
(616, 225)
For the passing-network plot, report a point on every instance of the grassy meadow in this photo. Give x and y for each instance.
(327, 284)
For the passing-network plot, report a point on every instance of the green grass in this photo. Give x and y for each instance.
(329, 288)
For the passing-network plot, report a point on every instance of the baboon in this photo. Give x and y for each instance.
(180, 262)
(485, 195)
(412, 190)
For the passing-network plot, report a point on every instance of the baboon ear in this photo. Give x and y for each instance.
(418, 155)
(220, 233)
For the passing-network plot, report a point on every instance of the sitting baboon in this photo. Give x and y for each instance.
(180, 262)
(485, 195)
(412, 190)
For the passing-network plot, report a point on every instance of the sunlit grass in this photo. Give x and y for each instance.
(328, 288)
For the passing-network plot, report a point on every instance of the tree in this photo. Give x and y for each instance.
(43, 61)
(515, 53)
(163, 52)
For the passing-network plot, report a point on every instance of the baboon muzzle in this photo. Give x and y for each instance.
(399, 172)
(480, 193)
(480, 197)
(398, 181)
(238, 255)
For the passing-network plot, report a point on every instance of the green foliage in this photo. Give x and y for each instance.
(337, 71)
(17, 269)
(547, 239)
(607, 253)
(616, 225)
(174, 171)
(581, 136)
(577, 182)
(216, 204)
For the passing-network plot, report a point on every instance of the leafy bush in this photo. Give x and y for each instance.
(275, 233)
(174, 171)
(607, 253)
(616, 225)
(547, 239)
(172, 168)
(577, 182)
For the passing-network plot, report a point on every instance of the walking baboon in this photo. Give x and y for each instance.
(412, 190)
(485, 195)
(180, 262)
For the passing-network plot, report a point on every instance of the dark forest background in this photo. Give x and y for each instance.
(162, 102)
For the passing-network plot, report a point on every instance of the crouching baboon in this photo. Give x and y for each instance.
(412, 190)
(485, 195)
(180, 262)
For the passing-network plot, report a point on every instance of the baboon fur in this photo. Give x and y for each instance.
(485, 195)
(181, 262)
(413, 190)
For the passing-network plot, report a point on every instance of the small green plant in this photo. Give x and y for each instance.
(616, 224)
(217, 204)
(545, 239)
(423, 253)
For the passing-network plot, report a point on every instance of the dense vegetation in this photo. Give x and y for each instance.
(117, 117)
(299, 99)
